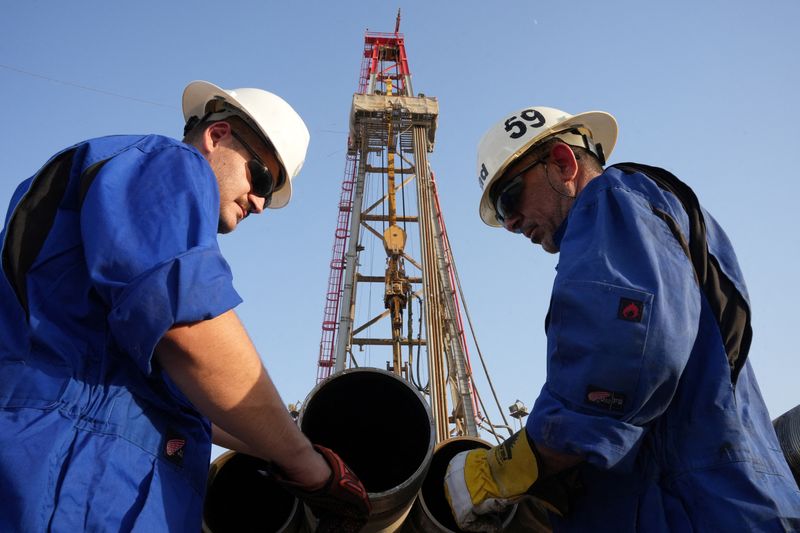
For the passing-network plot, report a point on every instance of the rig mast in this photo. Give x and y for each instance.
(392, 130)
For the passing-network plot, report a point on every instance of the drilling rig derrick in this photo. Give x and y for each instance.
(391, 132)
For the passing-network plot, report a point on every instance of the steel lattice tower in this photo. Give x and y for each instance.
(391, 132)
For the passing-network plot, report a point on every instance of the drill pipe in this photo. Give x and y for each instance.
(382, 428)
(431, 512)
(787, 428)
(241, 498)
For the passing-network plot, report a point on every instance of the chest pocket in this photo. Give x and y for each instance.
(579, 360)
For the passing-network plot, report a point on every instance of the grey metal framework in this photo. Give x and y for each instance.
(391, 133)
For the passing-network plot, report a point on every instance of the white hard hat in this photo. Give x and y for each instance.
(267, 113)
(518, 132)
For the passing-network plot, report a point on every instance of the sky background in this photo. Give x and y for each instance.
(705, 88)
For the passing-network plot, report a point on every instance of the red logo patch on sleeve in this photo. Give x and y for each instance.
(630, 310)
(605, 399)
(174, 447)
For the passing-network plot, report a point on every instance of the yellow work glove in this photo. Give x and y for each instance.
(479, 484)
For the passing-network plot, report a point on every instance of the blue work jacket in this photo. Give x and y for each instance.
(639, 383)
(107, 247)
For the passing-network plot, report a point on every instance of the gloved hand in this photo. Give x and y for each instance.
(342, 504)
(479, 484)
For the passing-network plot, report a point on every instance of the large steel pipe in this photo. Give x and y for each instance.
(241, 498)
(382, 428)
(431, 512)
(787, 427)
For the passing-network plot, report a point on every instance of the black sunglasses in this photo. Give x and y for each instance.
(263, 182)
(506, 195)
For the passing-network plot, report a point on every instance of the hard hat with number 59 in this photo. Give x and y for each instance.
(518, 132)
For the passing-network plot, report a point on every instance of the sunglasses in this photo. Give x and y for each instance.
(264, 184)
(506, 195)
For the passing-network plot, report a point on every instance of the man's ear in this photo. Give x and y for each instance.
(214, 134)
(563, 156)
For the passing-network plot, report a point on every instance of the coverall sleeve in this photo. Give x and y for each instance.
(623, 319)
(149, 227)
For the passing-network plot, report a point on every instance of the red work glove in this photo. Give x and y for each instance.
(342, 504)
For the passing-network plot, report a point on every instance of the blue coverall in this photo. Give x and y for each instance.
(638, 381)
(109, 246)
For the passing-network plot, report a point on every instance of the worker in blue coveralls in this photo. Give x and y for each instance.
(650, 418)
(121, 356)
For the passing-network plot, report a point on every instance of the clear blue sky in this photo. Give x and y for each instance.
(707, 89)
